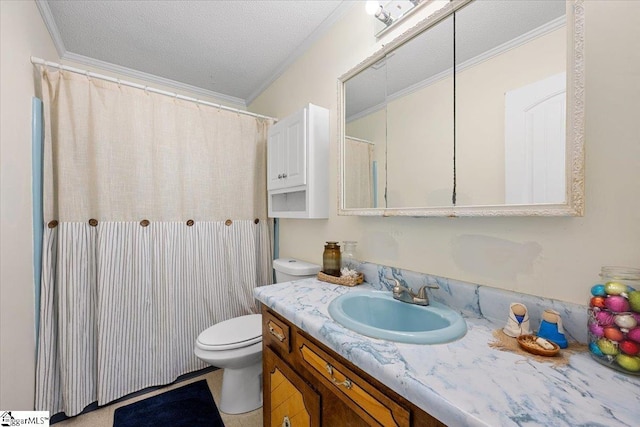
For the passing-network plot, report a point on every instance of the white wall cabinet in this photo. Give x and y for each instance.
(287, 152)
(298, 165)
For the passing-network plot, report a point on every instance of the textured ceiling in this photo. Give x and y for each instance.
(234, 48)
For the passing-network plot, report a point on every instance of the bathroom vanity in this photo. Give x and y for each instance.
(307, 384)
(334, 376)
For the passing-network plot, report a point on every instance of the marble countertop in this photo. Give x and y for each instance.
(467, 383)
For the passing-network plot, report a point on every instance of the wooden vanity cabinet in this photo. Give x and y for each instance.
(324, 387)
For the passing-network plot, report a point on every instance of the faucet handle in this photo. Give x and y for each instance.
(397, 286)
(422, 292)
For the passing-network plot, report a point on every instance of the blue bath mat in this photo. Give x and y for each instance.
(189, 406)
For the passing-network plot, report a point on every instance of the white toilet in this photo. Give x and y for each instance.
(235, 345)
(288, 269)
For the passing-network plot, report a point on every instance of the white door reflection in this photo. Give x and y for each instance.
(535, 117)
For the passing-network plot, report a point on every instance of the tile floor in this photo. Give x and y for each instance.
(103, 417)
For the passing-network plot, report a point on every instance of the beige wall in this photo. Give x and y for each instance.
(553, 257)
(420, 149)
(22, 34)
(480, 113)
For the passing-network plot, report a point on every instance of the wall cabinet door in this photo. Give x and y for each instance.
(288, 400)
(275, 157)
(287, 152)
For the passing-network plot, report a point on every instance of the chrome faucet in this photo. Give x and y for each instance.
(404, 294)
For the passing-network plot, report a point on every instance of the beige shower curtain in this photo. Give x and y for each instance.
(155, 228)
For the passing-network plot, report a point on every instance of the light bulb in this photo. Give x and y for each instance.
(372, 6)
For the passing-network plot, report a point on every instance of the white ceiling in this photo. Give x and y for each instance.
(229, 49)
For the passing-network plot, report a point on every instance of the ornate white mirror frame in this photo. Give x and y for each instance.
(574, 159)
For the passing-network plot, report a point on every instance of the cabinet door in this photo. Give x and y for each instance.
(276, 155)
(287, 152)
(296, 150)
(374, 407)
(288, 400)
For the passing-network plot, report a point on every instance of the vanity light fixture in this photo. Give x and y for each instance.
(373, 7)
(390, 12)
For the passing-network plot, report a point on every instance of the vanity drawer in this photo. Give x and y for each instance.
(371, 405)
(275, 332)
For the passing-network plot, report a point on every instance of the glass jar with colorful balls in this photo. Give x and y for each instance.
(614, 319)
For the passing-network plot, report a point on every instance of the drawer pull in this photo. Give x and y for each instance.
(286, 422)
(346, 383)
(275, 333)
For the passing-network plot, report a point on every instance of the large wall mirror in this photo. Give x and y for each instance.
(476, 111)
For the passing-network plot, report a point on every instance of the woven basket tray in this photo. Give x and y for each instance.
(344, 281)
(528, 343)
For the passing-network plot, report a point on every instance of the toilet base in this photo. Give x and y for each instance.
(241, 389)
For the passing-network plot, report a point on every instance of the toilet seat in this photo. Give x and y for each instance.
(231, 334)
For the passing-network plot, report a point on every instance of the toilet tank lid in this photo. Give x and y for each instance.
(295, 267)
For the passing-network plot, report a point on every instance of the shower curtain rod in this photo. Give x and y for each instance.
(360, 139)
(91, 74)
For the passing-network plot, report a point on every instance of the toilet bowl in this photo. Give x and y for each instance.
(235, 345)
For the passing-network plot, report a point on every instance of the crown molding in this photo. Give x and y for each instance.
(64, 54)
(324, 27)
(152, 78)
(513, 43)
(366, 112)
(50, 23)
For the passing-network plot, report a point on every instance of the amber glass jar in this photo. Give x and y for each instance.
(331, 259)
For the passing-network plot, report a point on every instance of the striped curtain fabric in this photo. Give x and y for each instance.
(156, 229)
(122, 305)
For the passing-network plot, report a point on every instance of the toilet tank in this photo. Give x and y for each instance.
(288, 269)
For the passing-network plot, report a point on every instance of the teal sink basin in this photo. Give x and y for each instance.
(377, 314)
